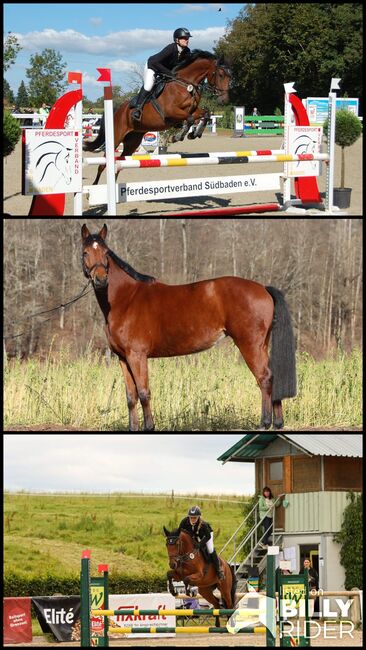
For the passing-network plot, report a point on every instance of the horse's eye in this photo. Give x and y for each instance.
(85, 253)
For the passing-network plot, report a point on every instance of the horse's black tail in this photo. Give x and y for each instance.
(99, 140)
(283, 361)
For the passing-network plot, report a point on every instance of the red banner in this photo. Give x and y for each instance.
(105, 74)
(17, 620)
(74, 77)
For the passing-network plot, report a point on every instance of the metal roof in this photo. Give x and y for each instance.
(324, 444)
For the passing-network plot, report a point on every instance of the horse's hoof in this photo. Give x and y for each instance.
(191, 136)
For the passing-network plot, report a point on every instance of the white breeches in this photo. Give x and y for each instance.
(149, 77)
(210, 545)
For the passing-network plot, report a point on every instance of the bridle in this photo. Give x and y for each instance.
(180, 559)
(88, 272)
(212, 80)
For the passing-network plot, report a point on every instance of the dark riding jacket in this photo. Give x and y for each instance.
(164, 61)
(201, 531)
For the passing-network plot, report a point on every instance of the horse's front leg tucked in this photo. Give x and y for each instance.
(186, 126)
(202, 116)
(170, 575)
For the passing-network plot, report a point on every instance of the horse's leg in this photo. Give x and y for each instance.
(207, 593)
(277, 415)
(203, 115)
(101, 169)
(186, 126)
(256, 356)
(138, 366)
(131, 142)
(170, 575)
(132, 397)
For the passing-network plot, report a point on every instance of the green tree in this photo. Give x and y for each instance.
(47, 77)
(7, 92)
(22, 96)
(270, 44)
(11, 49)
(350, 538)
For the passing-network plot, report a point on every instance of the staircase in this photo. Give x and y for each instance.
(255, 561)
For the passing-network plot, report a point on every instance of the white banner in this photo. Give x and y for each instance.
(239, 112)
(303, 139)
(142, 601)
(174, 189)
(52, 162)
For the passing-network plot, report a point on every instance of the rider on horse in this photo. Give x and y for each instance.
(162, 63)
(202, 533)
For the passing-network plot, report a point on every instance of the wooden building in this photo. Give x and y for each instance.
(315, 472)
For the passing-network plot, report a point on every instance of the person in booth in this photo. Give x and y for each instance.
(162, 63)
(202, 533)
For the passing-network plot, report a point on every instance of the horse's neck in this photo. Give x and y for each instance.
(121, 284)
(120, 288)
(188, 542)
(197, 71)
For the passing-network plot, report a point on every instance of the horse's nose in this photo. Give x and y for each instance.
(173, 564)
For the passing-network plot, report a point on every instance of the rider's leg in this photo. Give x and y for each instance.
(149, 79)
(214, 557)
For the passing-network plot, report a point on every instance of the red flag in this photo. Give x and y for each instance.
(74, 77)
(105, 74)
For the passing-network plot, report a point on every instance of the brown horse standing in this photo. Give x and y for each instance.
(145, 318)
(188, 565)
(177, 103)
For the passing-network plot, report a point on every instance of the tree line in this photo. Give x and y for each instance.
(317, 263)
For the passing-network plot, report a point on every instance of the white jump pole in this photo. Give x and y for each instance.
(109, 151)
(331, 144)
(78, 196)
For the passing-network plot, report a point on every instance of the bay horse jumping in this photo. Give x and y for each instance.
(177, 104)
(145, 318)
(188, 565)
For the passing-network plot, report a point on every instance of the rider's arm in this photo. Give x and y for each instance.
(155, 62)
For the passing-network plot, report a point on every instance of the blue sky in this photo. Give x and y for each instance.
(118, 36)
(185, 463)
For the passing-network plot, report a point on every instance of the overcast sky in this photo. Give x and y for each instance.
(123, 463)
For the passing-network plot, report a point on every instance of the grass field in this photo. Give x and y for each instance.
(212, 391)
(46, 534)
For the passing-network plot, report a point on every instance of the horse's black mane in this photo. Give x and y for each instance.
(122, 265)
(194, 55)
(131, 271)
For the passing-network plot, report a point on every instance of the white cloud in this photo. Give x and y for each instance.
(124, 462)
(129, 43)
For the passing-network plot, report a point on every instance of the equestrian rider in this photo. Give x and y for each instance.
(202, 533)
(162, 63)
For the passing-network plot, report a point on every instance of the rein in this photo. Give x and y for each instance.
(181, 559)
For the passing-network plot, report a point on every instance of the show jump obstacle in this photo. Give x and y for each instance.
(293, 585)
(306, 188)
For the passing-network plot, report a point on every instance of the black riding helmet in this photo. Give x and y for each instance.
(182, 32)
(194, 512)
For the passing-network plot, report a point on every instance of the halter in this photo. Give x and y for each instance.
(88, 272)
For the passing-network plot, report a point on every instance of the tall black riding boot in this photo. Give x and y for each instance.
(216, 563)
(141, 99)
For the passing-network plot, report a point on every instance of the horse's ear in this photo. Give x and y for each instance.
(103, 232)
(85, 232)
(166, 532)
